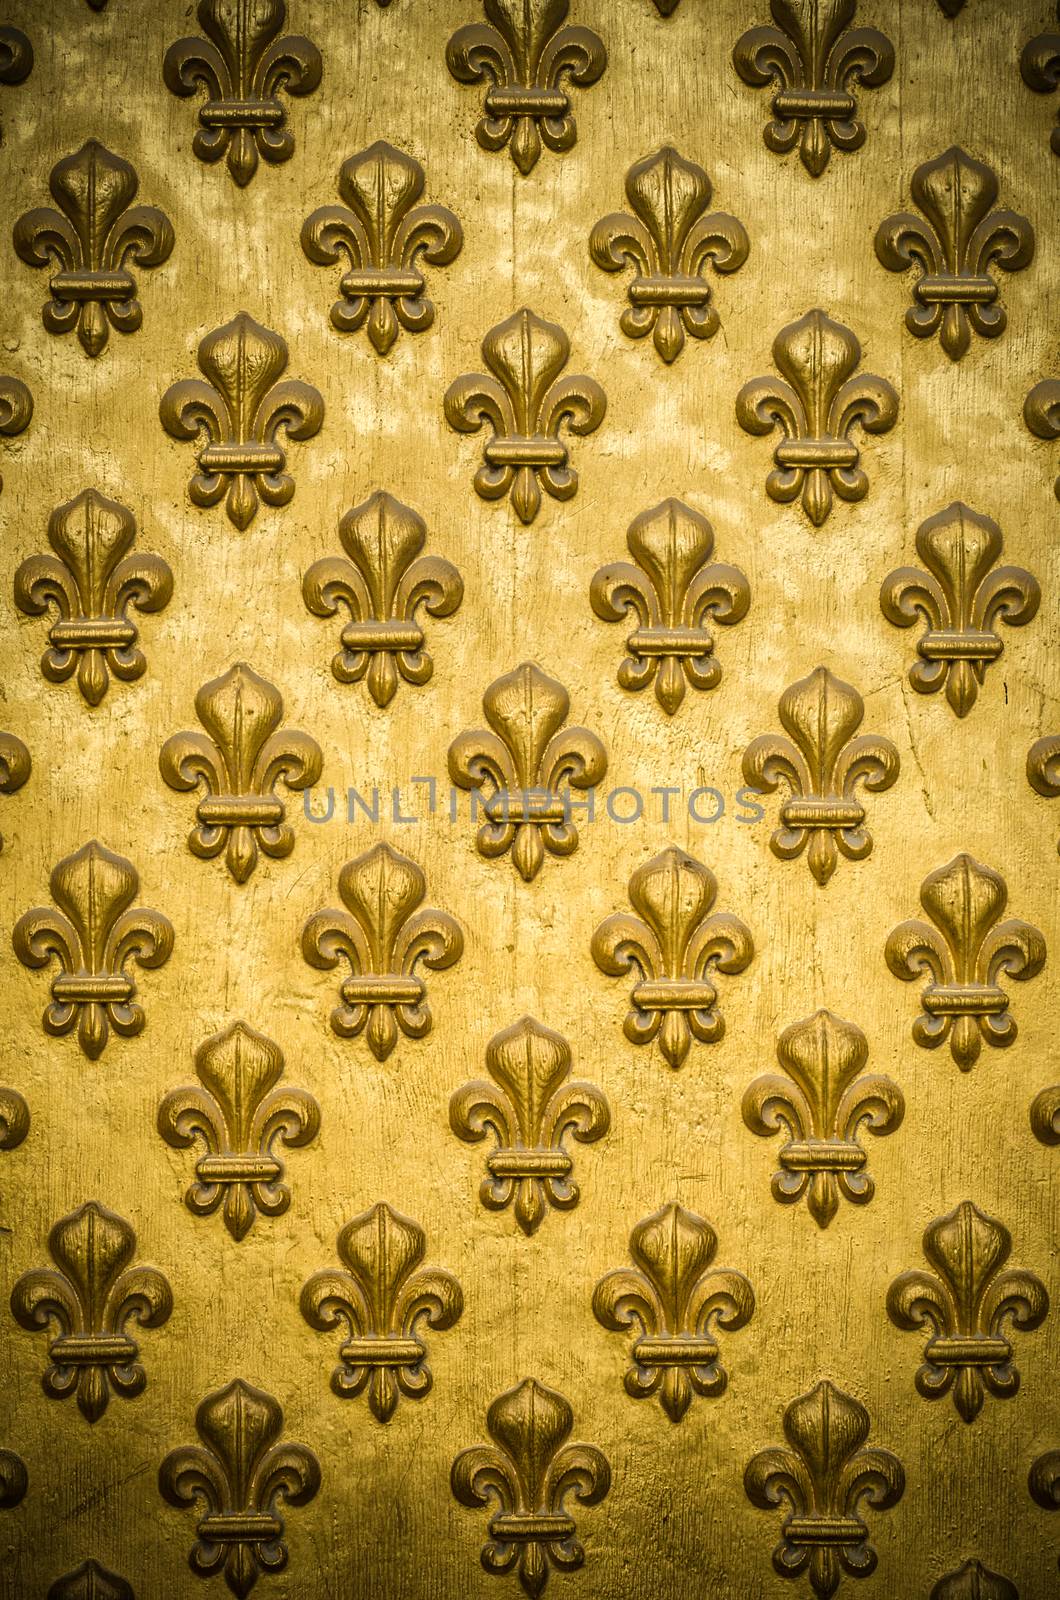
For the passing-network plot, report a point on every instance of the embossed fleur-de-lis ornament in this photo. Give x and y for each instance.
(675, 1302)
(242, 757)
(816, 59)
(973, 1581)
(93, 580)
(94, 239)
(387, 1300)
(94, 934)
(669, 240)
(93, 1295)
(387, 238)
(952, 246)
(1040, 67)
(964, 953)
(14, 1480)
(16, 409)
(384, 584)
(527, 404)
(819, 400)
(14, 1119)
(241, 1114)
(242, 65)
(968, 1305)
(823, 1476)
(1043, 767)
(529, 1473)
(960, 598)
(386, 935)
(239, 1475)
(15, 765)
(822, 762)
(677, 947)
(1041, 413)
(237, 417)
(528, 57)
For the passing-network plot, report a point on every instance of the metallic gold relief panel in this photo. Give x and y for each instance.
(528, 784)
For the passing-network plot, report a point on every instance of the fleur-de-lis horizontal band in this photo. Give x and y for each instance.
(92, 633)
(370, 281)
(670, 642)
(526, 805)
(969, 646)
(824, 453)
(82, 989)
(822, 813)
(656, 290)
(826, 105)
(673, 994)
(963, 1000)
(529, 1164)
(241, 114)
(678, 1352)
(93, 1352)
(810, 1531)
(944, 288)
(241, 458)
(238, 1169)
(519, 102)
(530, 451)
(239, 811)
(93, 285)
(971, 1352)
(822, 1155)
(383, 989)
(514, 1529)
(250, 1528)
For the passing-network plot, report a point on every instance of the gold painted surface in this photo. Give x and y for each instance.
(676, 1521)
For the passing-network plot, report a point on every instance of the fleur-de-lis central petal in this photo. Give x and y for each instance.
(386, 1301)
(16, 408)
(241, 759)
(822, 763)
(526, 761)
(526, 403)
(530, 1107)
(967, 1304)
(90, 1581)
(528, 1473)
(973, 1581)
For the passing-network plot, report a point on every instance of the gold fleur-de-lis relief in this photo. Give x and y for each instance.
(237, 417)
(527, 404)
(15, 765)
(1045, 1115)
(816, 60)
(91, 583)
(526, 763)
(822, 763)
(14, 1119)
(964, 953)
(384, 581)
(1044, 1481)
(92, 1298)
(14, 1480)
(817, 401)
(388, 239)
(530, 1108)
(386, 935)
(16, 58)
(822, 1476)
(1040, 68)
(675, 1302)
(528, 1474)
(239, 761)
(90, 1581)
(529, 57)
(669, 241)
(239, 1476)
(960, 599)
(386, 1300)
(968, 1305)
(673, 594)
(241, 66)
(953, 247)
(1043, 767)
(666, 8)
(240, 1113)
(94, 240)
(93, 933)
(822, 1105)
(675, 948)
(16, 409)
(1041, 413)
(973, 1581)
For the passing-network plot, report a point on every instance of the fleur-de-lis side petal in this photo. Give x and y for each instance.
(973, 1581)
(822, 1476)
(967, 1304)
(90, 1581)
(1045, 1115)
(675, 1302)
(14, 1479)
(815, 404)
(239, 415)
(530, 1107)
(14, 1119)
(94, 240)
(676, 947)
(526, 403)
(816, 60)
(386, 934)
(528, 57)
(93, 936)
(16, 409)
(527, 1474)
(239, 761)
(964, 956)
(961, 597)
(239, 1476)
(673, 592)
(1043, 767)
(387, 1301)
(527, 761)
(92, 1298)
(241, 1115)
(16, 58)
(822, 1105)
(1044, 1480)
(92, 581)
(1041, 413)
(387, 239)
(384, 583)
(822, 763)
(1040, 67)
(668, 241)
(15, 765)
(242, 65)
(954, 250)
